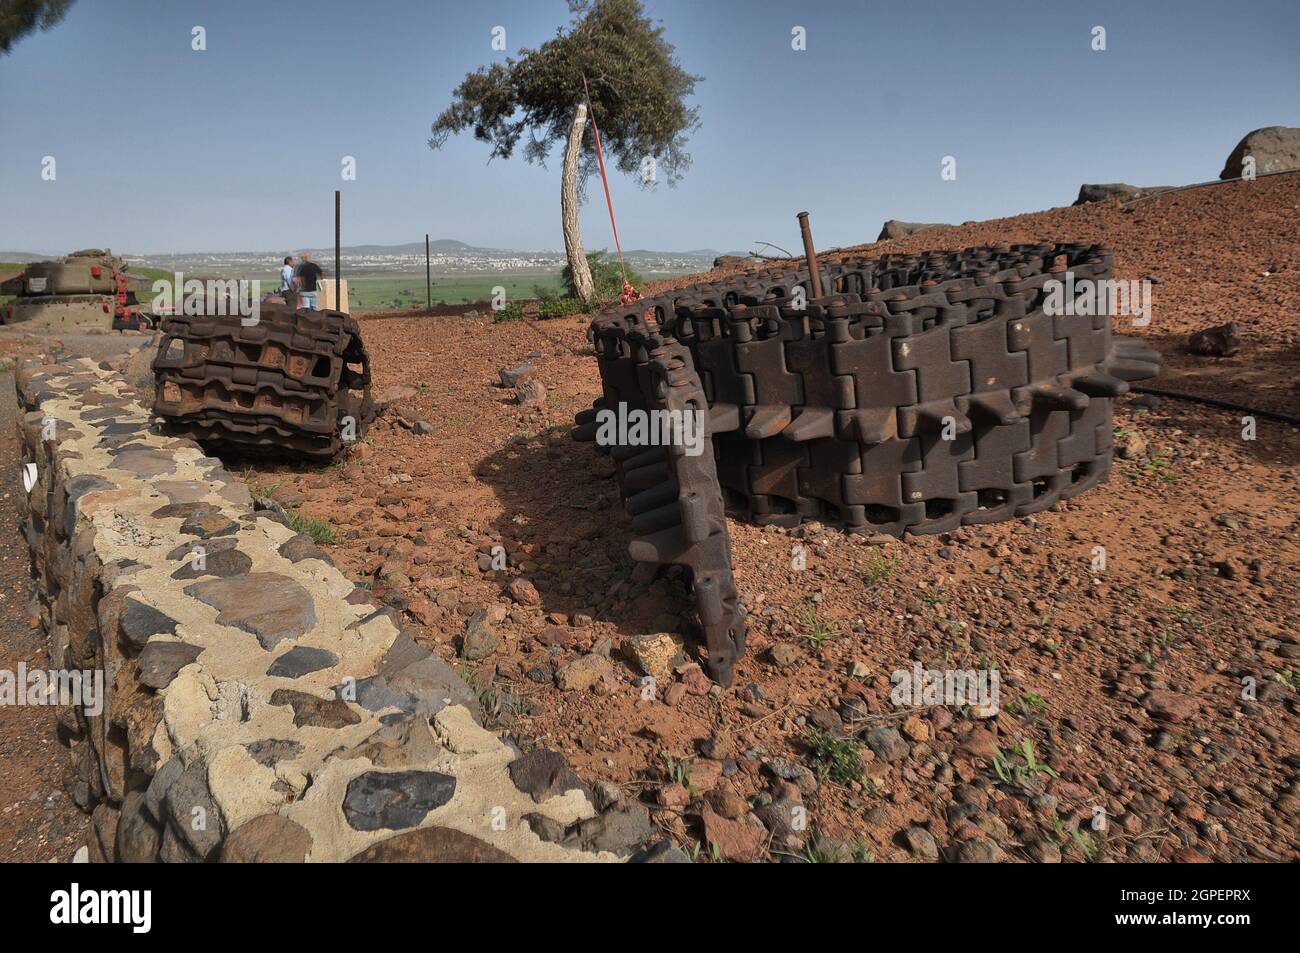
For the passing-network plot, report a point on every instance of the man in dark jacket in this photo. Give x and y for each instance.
(309, 275)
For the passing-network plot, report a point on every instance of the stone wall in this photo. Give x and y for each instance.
(257, 706)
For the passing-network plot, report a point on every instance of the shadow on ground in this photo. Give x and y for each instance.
(1256, 377)
(562, 518)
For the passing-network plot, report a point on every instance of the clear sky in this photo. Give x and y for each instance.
(163, 149)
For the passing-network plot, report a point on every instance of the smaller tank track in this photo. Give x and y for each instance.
(920, 393)
(293, 384)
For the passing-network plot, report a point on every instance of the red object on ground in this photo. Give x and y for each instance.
(629, 293)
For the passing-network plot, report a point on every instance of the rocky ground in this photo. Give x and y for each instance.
(38, 821)
(1147, 710)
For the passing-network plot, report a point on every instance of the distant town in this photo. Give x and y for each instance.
(446, 257)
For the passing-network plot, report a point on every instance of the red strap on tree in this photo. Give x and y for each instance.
(629, 293)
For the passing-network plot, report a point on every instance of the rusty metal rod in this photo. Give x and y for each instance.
(814, 273)
(338, 247)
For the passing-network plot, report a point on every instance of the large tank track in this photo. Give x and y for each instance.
(293, 384)
(920, 393)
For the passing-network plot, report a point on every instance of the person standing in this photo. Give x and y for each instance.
(287, 289)
(308, 274)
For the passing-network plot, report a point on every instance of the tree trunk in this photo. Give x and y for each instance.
(569, 211)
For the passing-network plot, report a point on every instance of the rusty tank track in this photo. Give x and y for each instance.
(284, 386)
(918, 394)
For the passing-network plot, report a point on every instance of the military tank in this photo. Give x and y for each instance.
(86, 290)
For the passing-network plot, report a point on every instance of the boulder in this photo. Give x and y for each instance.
(1274, 148)
(1120, 190)
(896, 229)
(732, 261)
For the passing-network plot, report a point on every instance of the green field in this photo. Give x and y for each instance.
(384, 292)
(5, 268)
(407, 291)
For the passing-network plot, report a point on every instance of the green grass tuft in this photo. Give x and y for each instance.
(320, 531)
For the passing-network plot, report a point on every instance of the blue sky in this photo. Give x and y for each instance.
(163, 149)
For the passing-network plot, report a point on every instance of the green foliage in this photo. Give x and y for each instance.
(20, 17)
(878, 567)
(1028, 703)
(821, 850)
(836, 759)
(818, 631)
(511, 312)
(638, 92)
(320, 531)
(678, 770)
(1020, 766)
(557, 308)
(605, 277)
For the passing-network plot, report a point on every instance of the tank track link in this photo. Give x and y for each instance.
(284, 386)
(917, 394)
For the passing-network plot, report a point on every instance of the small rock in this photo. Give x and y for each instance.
(511, 376)
(1169, 706)
(1131, 447)
(916, 729)
(267, 839)
(396, 799)
(739, 840)
(302, 660)
(312, 711)
(1221, 341)
(160, 661)
(921, 843)
(480, 641)
(543, 774)
(531, 393)
(783, 654)
(979, 851)
(524, 592)
(672, 795)
(654, 654)
(583, 673)
(887, 743)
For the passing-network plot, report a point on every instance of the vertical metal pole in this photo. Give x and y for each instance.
(338, 247)
(814, 273)
(428, 276)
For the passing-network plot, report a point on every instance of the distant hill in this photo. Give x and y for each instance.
(24, 256)
(443, 245)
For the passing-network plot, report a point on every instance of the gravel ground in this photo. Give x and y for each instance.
(38, 821)
(1158, 694)
(1128, 681)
